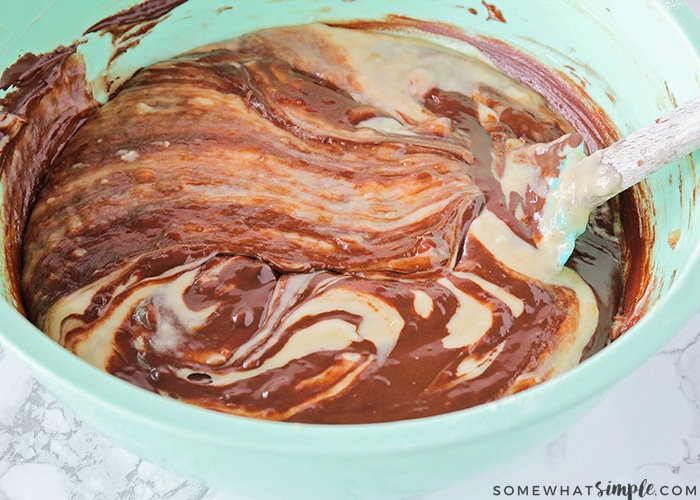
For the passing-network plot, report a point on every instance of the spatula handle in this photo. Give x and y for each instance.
(669, 138)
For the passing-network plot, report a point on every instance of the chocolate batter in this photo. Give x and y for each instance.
(301, 225)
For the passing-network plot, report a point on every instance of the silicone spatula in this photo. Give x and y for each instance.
(586, 182)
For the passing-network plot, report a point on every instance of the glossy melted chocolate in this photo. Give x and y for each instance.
(300, 225)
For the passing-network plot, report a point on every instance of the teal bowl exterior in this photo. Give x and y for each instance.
(636, 59)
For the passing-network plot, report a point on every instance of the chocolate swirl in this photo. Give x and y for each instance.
(308, 224)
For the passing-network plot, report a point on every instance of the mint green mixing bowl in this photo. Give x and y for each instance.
(636, 58)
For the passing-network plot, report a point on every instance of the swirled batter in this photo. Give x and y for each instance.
(317, 224)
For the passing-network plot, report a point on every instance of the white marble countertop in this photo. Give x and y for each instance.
(646, 429)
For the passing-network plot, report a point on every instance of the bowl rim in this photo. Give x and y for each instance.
(55, 365)
(47, 359)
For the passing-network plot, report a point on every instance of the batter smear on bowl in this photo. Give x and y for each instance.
(317, 224)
